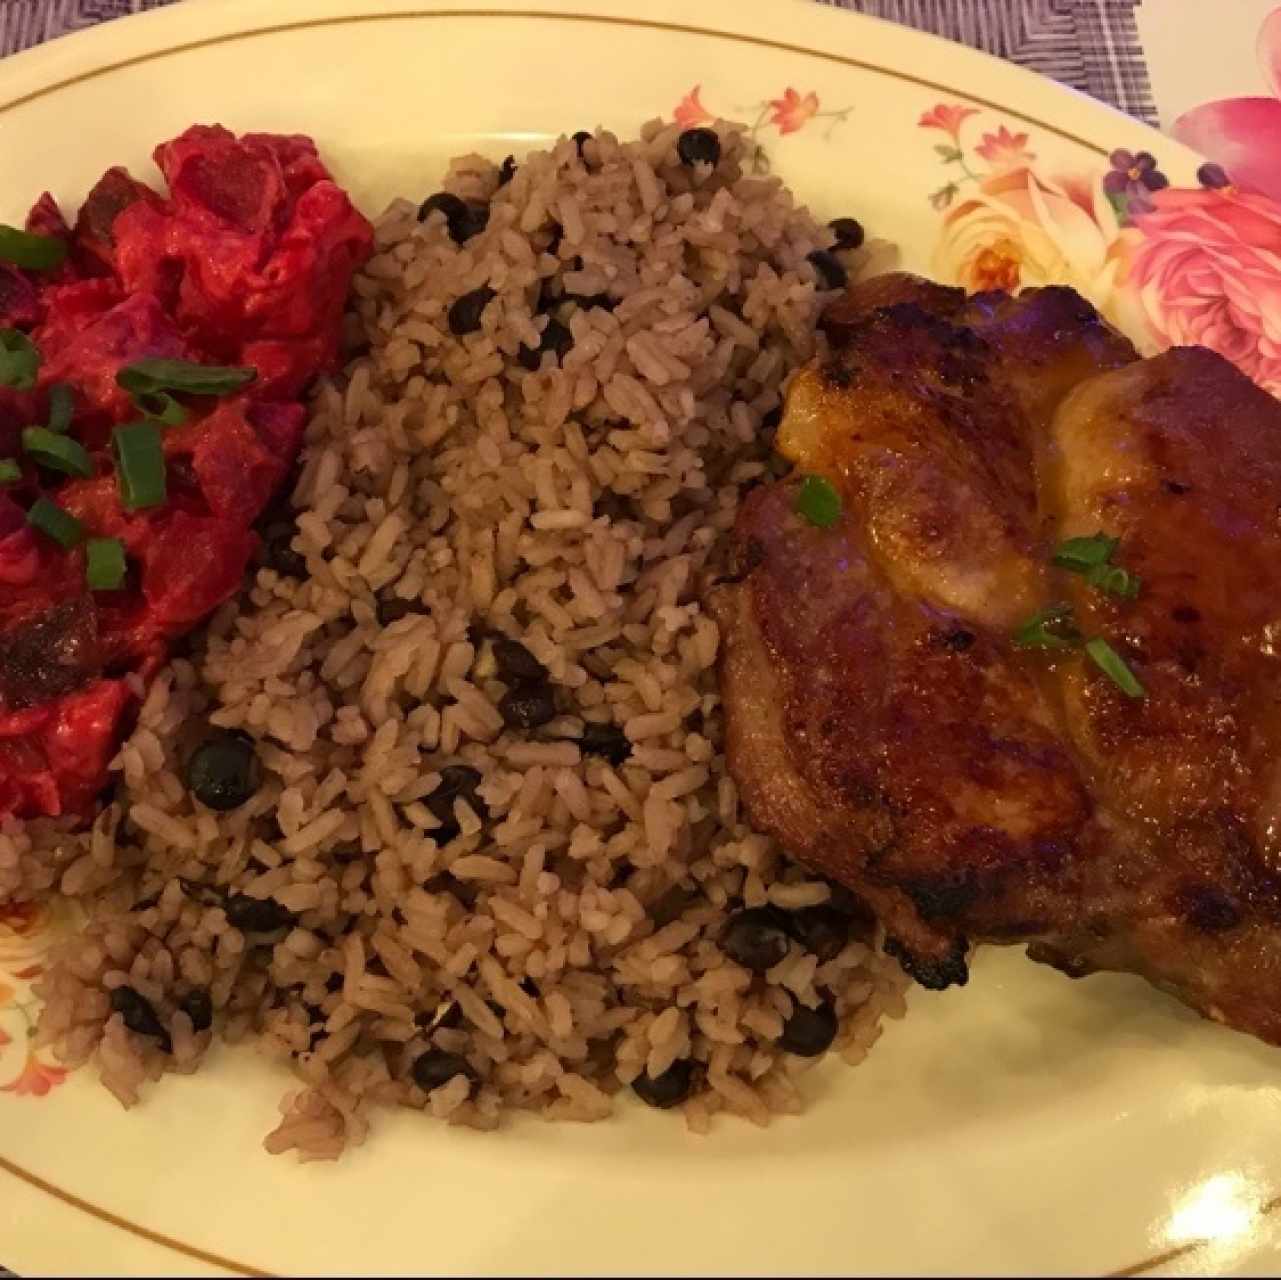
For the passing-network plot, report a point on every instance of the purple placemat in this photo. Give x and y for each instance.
(1092, 45)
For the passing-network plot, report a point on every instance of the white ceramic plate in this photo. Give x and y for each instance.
(1026, 1124)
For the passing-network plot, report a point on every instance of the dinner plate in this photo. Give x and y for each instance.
(1026, 1124)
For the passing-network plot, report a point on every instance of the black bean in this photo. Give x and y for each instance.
(555, 338)
(393, 610)
(671, 905)
(278, 553)
(465, 313)
(809, 1032)
(831, 274)
(848, 232)
(606, 740)
(669, 1089)
(139, 1016)
(528, 706)
(464, 891)
(256, 915)
(821, 930)
(862, 921)
(755, 938)
(699, 146)
(222, 772)
(198, 1006)
(472, 223)
(445, 202)
(516, 663)
(436, 1067)
(462, 218)
(613, 506)
(589, 300)
(581, 138)
(507, 171)
(457, 781)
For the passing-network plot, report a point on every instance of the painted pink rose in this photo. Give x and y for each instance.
(1207, 271)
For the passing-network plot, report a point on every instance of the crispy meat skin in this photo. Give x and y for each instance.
(881, 724)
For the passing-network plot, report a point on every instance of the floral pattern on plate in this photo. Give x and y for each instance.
(790, 112)
(1171, 266)
(27, 932)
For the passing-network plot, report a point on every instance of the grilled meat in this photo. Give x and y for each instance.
(884, 725)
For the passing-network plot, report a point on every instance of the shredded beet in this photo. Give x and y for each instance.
(246, 262)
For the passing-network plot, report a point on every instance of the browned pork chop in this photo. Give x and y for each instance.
(885, 727)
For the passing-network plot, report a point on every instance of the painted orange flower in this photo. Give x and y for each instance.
(1004, 150)
(5, 1038)
(690, 110)
(947, 116)
(792, 110)
(36, 1080)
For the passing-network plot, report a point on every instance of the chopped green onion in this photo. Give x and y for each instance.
(160, 406)
(58, 453)
(104, 564)
(819, 502)
(1083, 554)
(32, 252)
(58, 524)
(140, 464)
(62, 406)
(1114, 581)
(158, 374)
(10, 472)
(1052, 628)
(19, 360)
(1113, 666)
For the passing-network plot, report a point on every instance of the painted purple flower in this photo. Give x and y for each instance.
(1132, 179)
(1213, 176)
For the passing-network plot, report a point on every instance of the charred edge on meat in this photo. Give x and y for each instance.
(935, 973)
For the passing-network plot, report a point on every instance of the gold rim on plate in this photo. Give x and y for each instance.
(782, 46)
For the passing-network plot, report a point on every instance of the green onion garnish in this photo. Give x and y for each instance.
(32, 252)
(818, 502)
(58, 453)
(62, 406)
(1052, 628)
(58, 524)
(160, 406)
(158, 374)
(140, 464)
(1083, 554)
(104, 564)
(1092, 558)
(10, 472)
(1114, 581)
(1113, 666)
(19, 360)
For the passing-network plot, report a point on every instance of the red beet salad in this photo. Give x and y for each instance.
(152, 360)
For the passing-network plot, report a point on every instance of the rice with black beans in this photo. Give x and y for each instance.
(563, 936)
